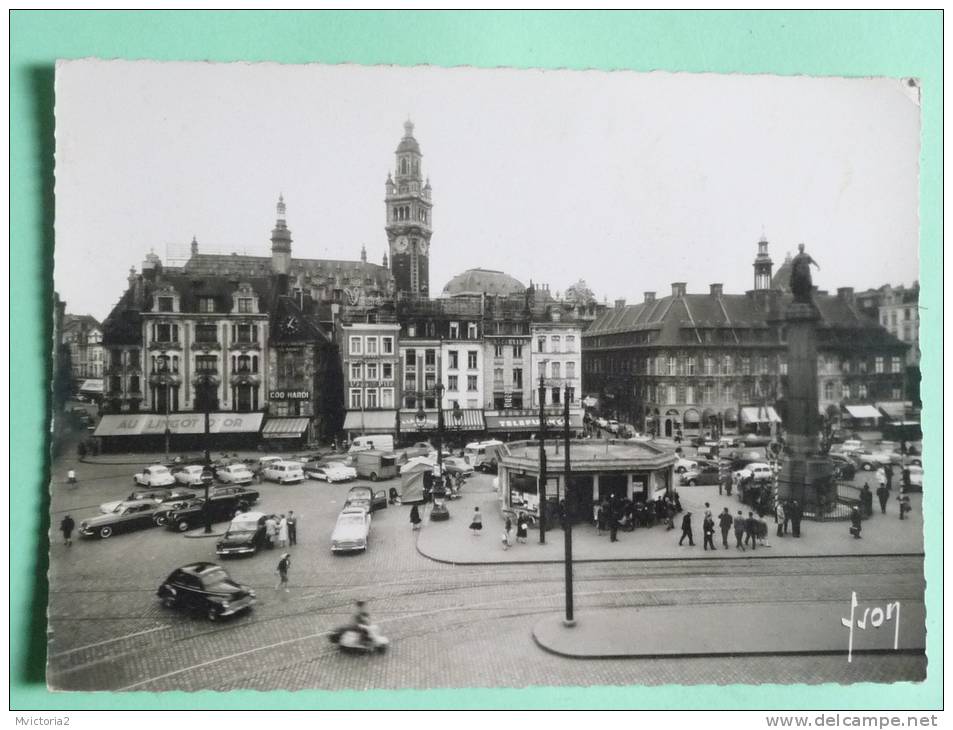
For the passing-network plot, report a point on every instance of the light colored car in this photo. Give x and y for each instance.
(869, 461)
(235, 474)
(351, 530)
(759, 472)
(283, 472)
(421, 448)
(190, 475)
(684, 465)
(167, 497)
(154, 476)
(852, 445)
(612, 426)
(332, 471)
(457, 465)
(601, 422)
(916, 477)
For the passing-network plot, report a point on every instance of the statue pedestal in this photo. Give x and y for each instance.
(808, 479)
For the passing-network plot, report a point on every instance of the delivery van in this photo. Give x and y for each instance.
(378, 442)
(375, 465)
(484, 455)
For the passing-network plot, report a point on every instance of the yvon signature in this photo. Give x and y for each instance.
(877, 617)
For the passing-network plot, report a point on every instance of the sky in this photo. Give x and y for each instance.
(630, 181)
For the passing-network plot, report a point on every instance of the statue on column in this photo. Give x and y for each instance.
(801, 285)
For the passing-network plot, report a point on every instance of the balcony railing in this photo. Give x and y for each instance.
(242, 346)
(164, 345)
(211, 345)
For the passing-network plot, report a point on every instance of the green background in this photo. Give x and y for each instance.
(850, 43)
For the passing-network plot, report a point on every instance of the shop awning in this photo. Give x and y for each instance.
(374, 421)
(153, 424)
(93, 385)
(503, 422)
(763, 414)
(862, 411)
(284, 428)
(895, 410)
(472, 421)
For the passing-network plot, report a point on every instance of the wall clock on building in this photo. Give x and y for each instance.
(291, 325)
(422, 246)
(401, 244)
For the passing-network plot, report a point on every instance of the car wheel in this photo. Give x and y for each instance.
(183, 525)
(692, 483)
(168, 601)
(105, 532)
(212, 614)
(160, 520)
(867, 466)
(373, 476)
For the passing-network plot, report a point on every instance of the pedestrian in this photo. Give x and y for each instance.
(71, 477)
(507, 529)
(751, 531)
(707, 510)
(678, 502)
(292, 528)
(415, 517)
(687, 530)
(855, 522)
(601, 520)
(763, 533)
(729, 482)
(904, 506)
(708, 528)
(796, 515)
(66, 526)
(780, 518)
(613, 525)
(888, 469)
(476, 522)
(905, 480)
(724, 521)
(283, 565)
(283, 532)
(867, 500)
(522, 528)
(271, 531)
(883, 494)
(788, 511)
(562, 513)
(739, 525)
(669, 515)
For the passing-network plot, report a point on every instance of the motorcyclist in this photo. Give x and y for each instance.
(362, 621)
(71, 477)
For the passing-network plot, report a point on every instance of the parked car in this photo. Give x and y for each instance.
(454, 465)
(351, 530)
(190, 475)
(283, 472)
(602, 422)
(238, 473)
(684, 465)
(851, 445)
(754, 439)
(704, 474)
(126, 517)
(206, 588)
(612, 426)
(759, 472)
(367, 498)
(331, 471)
(844, 466)
(374, 465)
(421, 448)
(868, 461)
(224, 502)
(154, 476)
(245, 534)
(161, 496)
(916, 478)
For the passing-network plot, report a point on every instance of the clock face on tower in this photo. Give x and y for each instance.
(422, 247)
(401, 244)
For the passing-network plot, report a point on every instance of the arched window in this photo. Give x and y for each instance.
(403, 166)
(416, 168)
(395, 212)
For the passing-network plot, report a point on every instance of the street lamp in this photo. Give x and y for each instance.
(205, 384)
(567, 522)
(421, 418)
(164, 371)
(542, 452)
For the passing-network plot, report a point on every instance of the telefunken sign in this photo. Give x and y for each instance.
(289, 395)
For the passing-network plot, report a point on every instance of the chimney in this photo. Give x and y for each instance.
(716, 290)
(619, 303)
(151, 267)
(846, 294)
(132, 278)
(678, 289)
(195, 246)
(649, 297)
(363, 254)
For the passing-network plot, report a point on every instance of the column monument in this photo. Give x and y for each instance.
(806, 475)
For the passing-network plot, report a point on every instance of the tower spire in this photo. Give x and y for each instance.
(281, 241)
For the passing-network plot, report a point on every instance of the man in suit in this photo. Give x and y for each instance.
(687, 530)
(725, 522)
(739, 524)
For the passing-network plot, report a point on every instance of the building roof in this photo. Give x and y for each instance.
(474, 282)
(315, 272)
(80, 321)
(590, 456)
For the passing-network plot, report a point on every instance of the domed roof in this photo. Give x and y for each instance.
(408, 143)
(474, 282)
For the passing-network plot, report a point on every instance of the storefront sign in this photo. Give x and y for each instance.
(289, 395)
(147, 424)
(529, 423)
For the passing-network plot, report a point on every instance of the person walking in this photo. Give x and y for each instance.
(751, 531)
(889, 474)
(780, 518)
(796, 515)
(613, 524)
(476, 522)
(724, 521)
(708, 528)
(415, 517)
(283, 532)
(71, 478)
(788, 512)
(687, 530)
(739, 525)
(867, 500)
(66, 527)
(271, 531)
(855, 522)
(292, 528)
(282, 570)
(522, 528)
(883, 494)
(904, 506)
(601, 520)
(507, 529)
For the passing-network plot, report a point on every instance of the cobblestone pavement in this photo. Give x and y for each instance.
(449, 626)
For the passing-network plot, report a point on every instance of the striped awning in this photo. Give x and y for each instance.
(373, 421)
(93, 385)
(284, 428)
(472, 420)
(895, 410)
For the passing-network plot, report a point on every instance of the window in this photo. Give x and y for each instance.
(672, 366)
(206, 363)
(708, 365)
(387, 371)
(371, 346)
(878, 364)
(411, 332)
(166, 333)
(498, 350)
(896, 393)
(430, 358)
(471, 331)
(410, 360)
(570, 343)
(690, 366)
(518, 351)
(570, 370)
(845, 391)
(454, 330)
(453, 383)
(498, 377)
(828, 391)
(893, 319)
(518, 378)
(372, 398)
(242, 363)
(452, 360)
(862, 390)
(206, 333)
(708, 393)
(471, 360)
(555, 396)
(134, 359)
(472, 383)
(746, 365)
(541, 344)
(671, 395)
(895, 364)
(728, 392)
(355, 346)
(355, 398)
(907, 333)
(387, 397)
(862, 366)
(556, 343)
(689, 394)
(246, 333)
(245, 306)
(166, 304)
(371, 369)
(134, 384)
(782, 365)
(726, 365)
(387, 346)
(206, 305)
(556, 370)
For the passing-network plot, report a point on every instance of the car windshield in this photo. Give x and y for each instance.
(243, 524)
(354, 519)
(214, 578)
(119, 508)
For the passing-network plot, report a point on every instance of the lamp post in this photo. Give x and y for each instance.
(206, 383)
(542, 453)
(164, 369)
(567, 522)
(421, 418)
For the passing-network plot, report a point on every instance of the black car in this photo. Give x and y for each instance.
(844, 466)
(246, 534)
(224, 502)
(367, 498)
(207, 588)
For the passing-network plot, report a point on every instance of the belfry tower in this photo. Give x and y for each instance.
(762, 265)
(408, 212)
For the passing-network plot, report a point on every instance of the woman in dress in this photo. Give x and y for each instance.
(415, 517)
(521, 528)
(283, 532)
(476, 524)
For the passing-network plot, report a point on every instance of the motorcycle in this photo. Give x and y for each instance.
(351, 639)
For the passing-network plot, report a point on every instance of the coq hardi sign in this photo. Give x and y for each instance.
(289, 395)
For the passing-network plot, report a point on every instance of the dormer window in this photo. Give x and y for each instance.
(207, 305)
(245, 305)
(166, 304)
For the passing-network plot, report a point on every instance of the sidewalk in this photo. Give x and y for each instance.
(713, 630)
(144, 459)
(451, 541)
